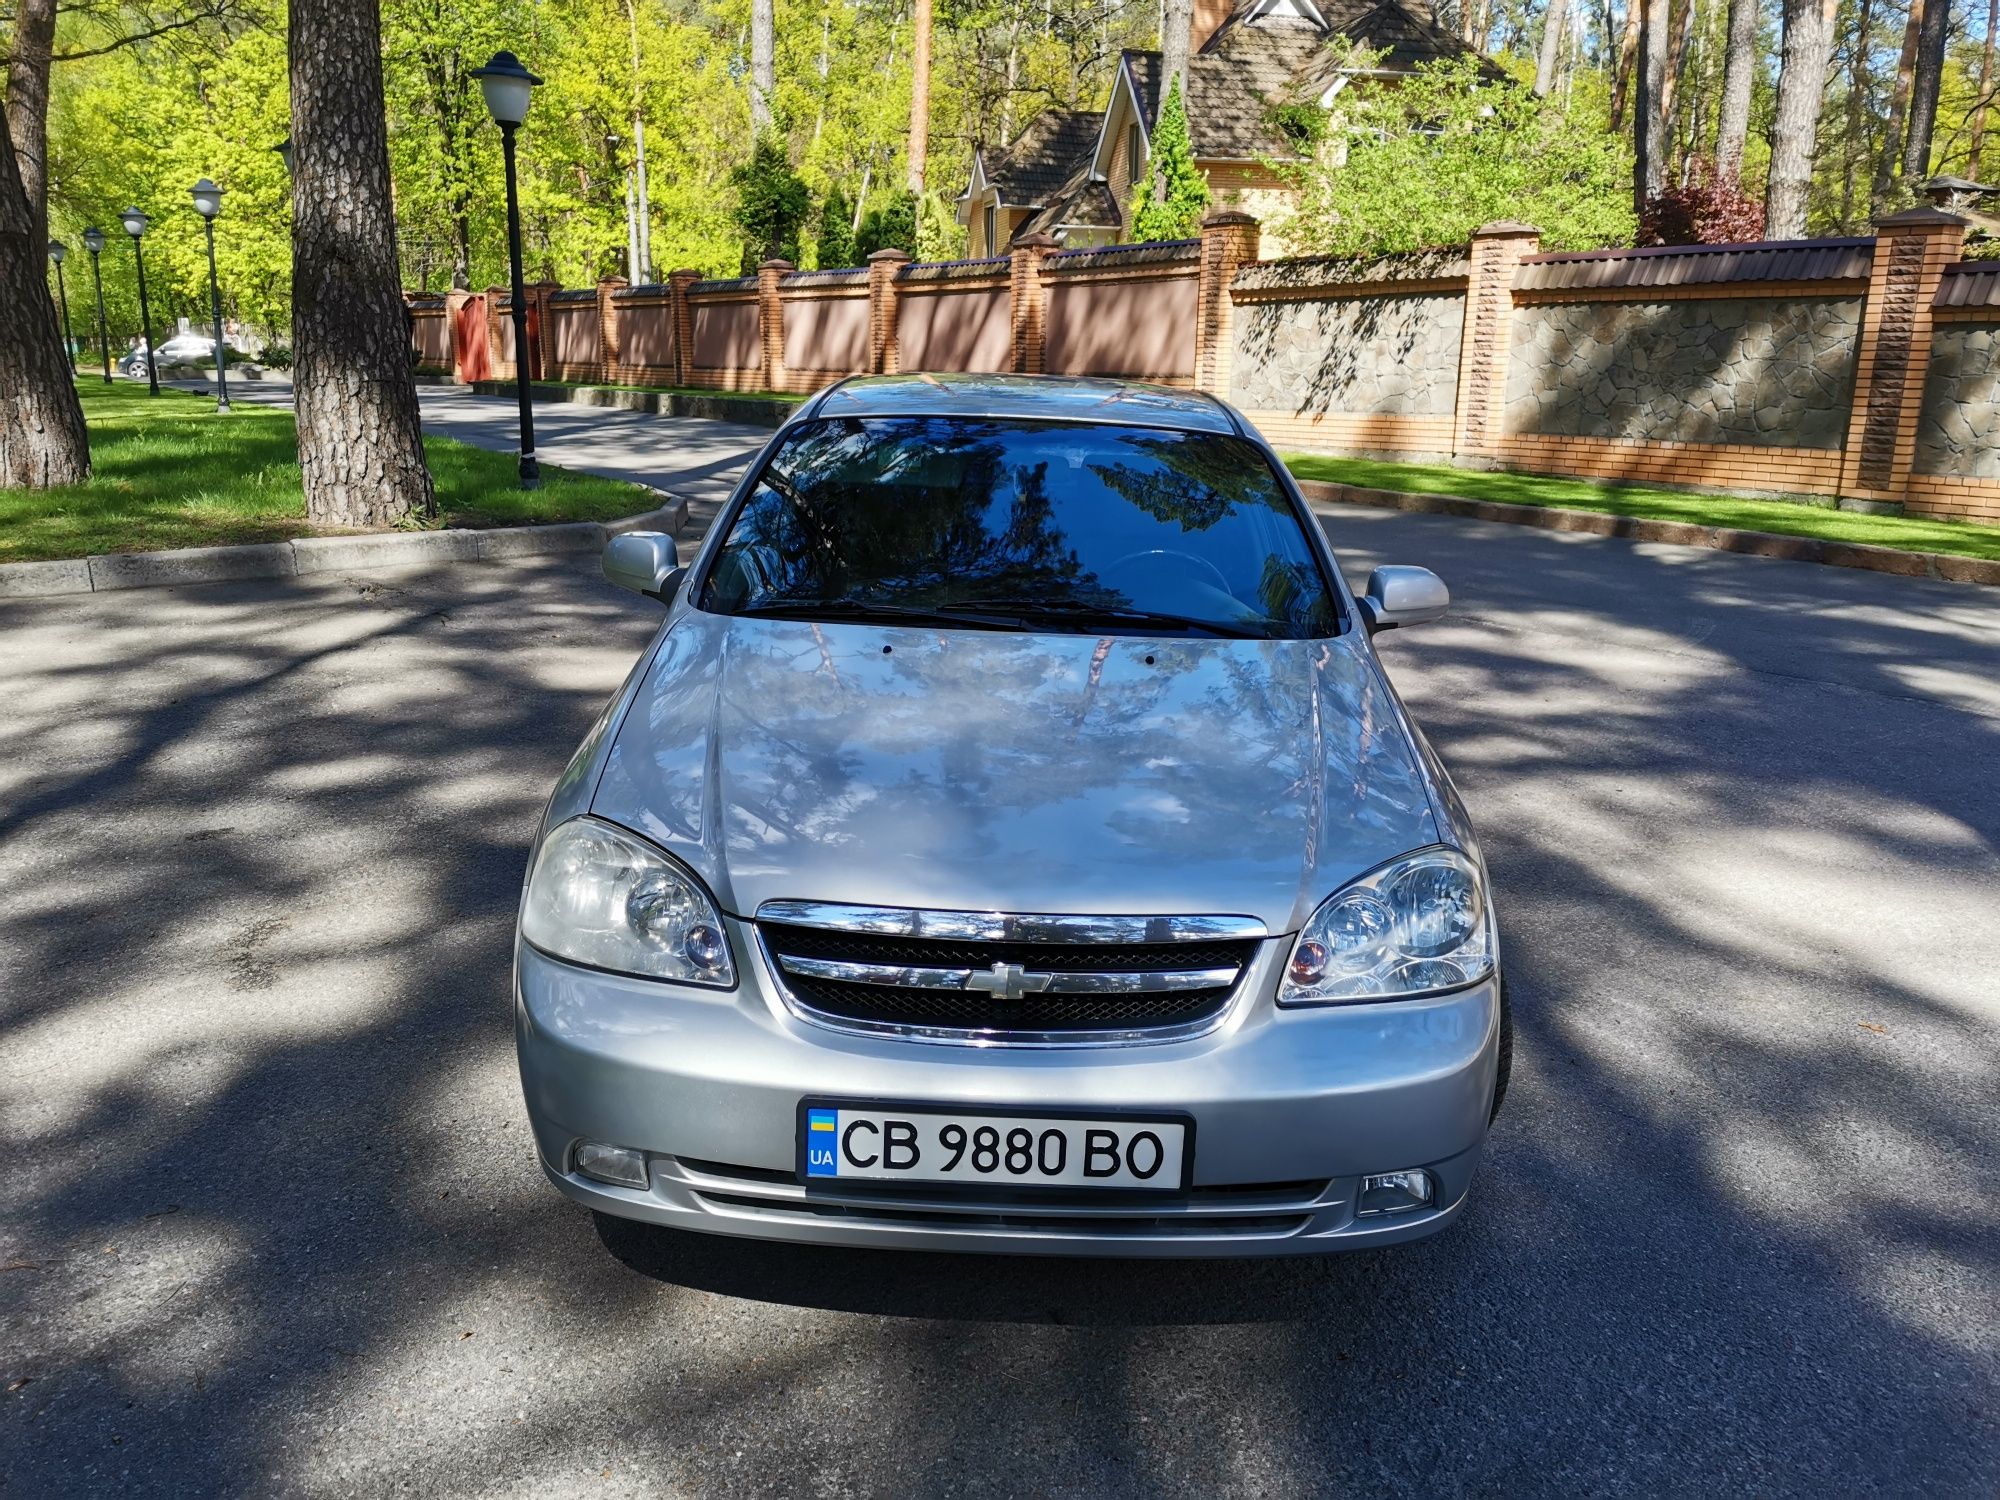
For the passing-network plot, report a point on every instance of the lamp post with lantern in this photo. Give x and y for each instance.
(135, 224)
(509, 88)
(93, 241)
(59, 252)
(208, 203)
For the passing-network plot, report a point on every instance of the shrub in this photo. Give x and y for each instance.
(1177, 213)
(276, 357)
(890, 225)
(836, 232)
(1706, 210)
(1426, 161)
(772, 204)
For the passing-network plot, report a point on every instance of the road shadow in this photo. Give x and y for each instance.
(272, 1223)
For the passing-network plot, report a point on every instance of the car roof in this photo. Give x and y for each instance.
(1065, 398)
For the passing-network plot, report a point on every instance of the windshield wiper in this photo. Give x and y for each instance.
(862, 610)
(1077, 612)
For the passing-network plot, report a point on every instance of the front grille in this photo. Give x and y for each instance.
(1053, 1013)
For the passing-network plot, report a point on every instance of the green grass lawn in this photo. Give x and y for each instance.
(1910, 533)
(169, 471)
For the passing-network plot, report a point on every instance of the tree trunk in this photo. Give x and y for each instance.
(42, 438)
(1924, 92)
(1551, 53)
(920, 96)
(359, 443)
(1985, 91)
(1176, 23)
(1649, 118)
(28, 106)
(1739, 76)
(1899, 105)
(1680, 26)
(1808, 47)
(1855, 146)
(763, 64)
(1628, 52)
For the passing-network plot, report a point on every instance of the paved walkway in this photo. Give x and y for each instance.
(271, 1224)
(696, 459)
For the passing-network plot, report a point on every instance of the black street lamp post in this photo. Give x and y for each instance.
(59, 252)
(135, 225)
(509, 88)
(208, 203)
(93, 241)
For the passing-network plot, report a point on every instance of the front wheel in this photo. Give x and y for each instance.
(1505, 1068)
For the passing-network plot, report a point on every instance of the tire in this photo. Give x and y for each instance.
(1506, 1065)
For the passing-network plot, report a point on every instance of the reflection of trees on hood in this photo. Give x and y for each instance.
(1193, 482)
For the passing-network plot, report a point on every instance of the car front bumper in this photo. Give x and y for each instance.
(1292, 1108)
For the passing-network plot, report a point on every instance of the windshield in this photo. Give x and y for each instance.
(1005, 524)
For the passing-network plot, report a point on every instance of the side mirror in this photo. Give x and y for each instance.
(646, 562)
(1403, 596)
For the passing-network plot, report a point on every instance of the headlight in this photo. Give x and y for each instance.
(602, 897)
(1416, 926)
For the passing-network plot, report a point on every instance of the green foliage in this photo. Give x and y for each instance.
(1426, 162)
(772, 204)
(836, 232)
(939, 234)
(889, 225)
(1301, 122)
(1177, 213)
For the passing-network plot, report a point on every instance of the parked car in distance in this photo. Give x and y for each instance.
(181, 349)
(1011, 842)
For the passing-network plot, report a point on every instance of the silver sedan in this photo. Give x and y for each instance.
(1010, 842)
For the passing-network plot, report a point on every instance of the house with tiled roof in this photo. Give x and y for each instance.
(1070, 173)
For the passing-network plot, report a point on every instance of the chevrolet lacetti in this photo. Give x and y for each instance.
(1010, 842)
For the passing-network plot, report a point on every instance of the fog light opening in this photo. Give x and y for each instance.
(613, 1164)
(1395, 1193)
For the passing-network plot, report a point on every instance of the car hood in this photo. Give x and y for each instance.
(988, 771)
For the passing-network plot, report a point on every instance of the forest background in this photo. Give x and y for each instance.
(146, 96)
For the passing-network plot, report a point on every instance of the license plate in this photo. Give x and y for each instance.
(904, 1143)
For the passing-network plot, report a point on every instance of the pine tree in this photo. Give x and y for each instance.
(1183, 187)
(836, 232)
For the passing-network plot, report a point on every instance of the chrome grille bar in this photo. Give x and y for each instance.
(1055, 982)
(1008, 927)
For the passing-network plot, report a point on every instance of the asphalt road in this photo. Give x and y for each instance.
(270, 1221)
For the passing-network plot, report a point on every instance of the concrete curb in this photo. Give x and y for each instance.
(1941, 565)
(749, 411)
(304, 556)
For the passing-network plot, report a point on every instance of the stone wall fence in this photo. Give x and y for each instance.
(1863, 370)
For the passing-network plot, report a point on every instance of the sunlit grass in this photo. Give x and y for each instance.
(1911, 533)
(169, 471)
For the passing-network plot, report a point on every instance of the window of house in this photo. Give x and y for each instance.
(993, 228)
(1135, 144)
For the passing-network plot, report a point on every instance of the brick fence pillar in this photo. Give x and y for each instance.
(682, 315)
(1025, 289)
(454, 301)
(1228, 242)
(501, 368)
(1911, 251)
(610, 338)
(1497, 252)
(771, 320)
(884, 358)
(541, 328)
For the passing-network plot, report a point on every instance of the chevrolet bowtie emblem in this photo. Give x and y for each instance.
(1008, 982)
